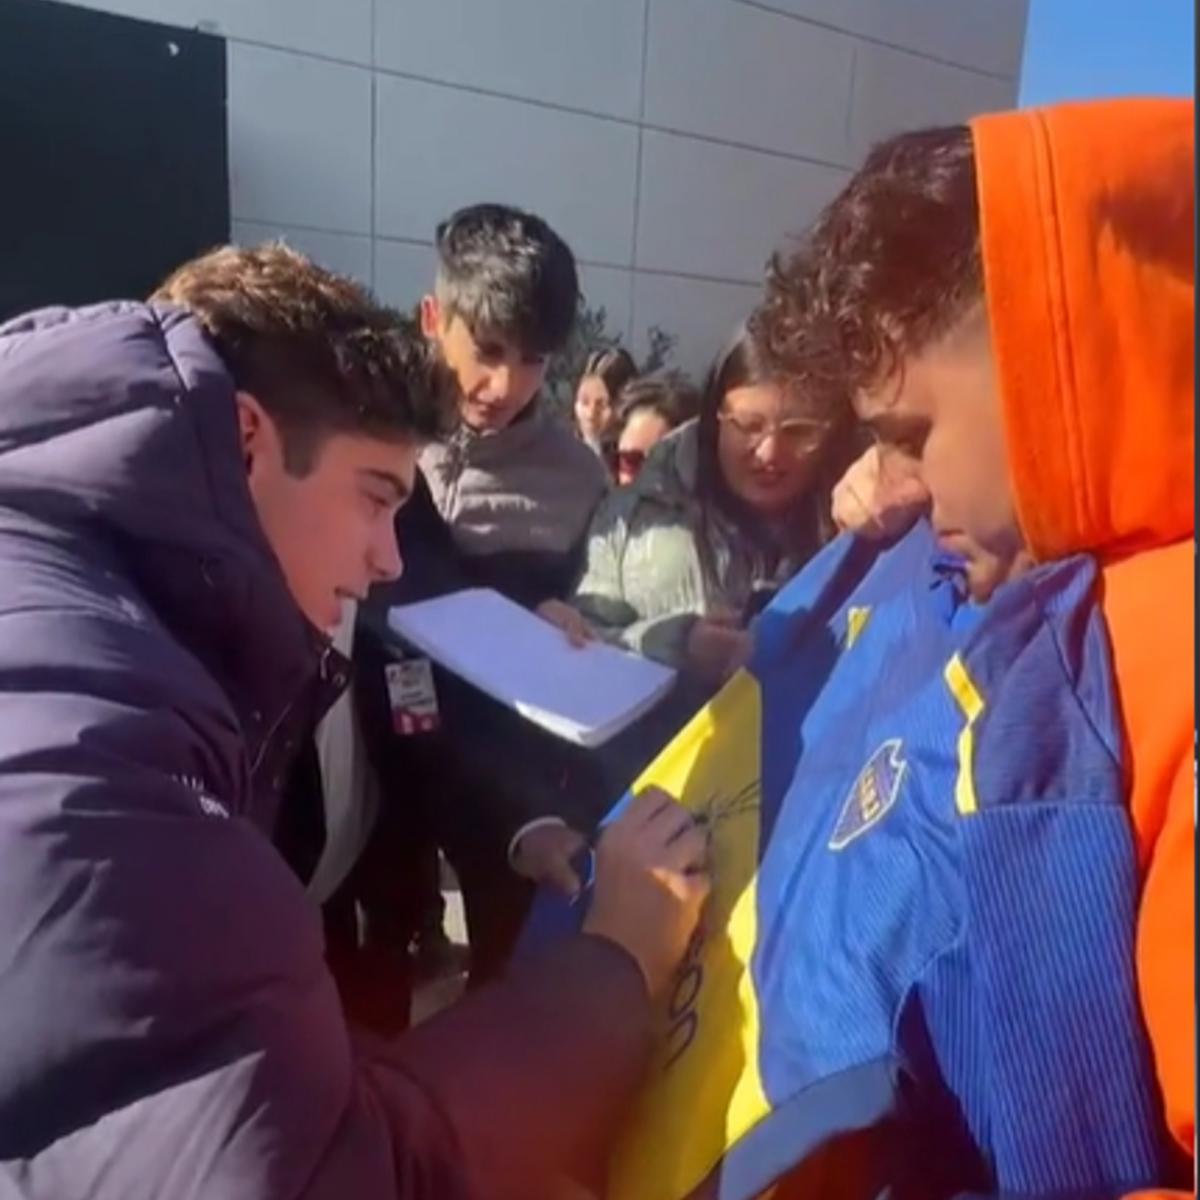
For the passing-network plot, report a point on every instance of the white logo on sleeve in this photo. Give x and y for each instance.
(210, 806)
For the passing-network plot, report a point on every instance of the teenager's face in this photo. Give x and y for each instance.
(496, 381)
(593, 408)
(332, 530)
(939, 419)
(767, 447)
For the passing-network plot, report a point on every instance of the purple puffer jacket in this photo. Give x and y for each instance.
(167, 1024)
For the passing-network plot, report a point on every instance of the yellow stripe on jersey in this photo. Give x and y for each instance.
(964, 691)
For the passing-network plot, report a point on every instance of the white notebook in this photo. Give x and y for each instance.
(583, 694)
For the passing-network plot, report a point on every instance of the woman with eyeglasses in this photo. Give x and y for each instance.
(725, 510)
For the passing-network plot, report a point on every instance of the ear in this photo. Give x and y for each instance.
(254, 427)
(431, 316)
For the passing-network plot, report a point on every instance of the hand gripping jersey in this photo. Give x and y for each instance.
(916, 971)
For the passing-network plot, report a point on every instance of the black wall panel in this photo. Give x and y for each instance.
(113, 163)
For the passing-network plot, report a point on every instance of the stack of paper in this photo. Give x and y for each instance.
(583, 694)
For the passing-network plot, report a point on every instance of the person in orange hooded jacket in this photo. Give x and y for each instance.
(1010, 306)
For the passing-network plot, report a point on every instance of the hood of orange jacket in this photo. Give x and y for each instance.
(1088, 246)
(1087, 228)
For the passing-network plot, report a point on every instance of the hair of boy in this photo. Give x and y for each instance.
(314, 348)
(506, 274)
(614, 367)
(889, 266)
(670, 395)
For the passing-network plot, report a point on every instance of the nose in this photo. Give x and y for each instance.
(386, 561)
(769, 452)
(500, 382)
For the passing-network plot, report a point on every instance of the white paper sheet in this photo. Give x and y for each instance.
(583, 694)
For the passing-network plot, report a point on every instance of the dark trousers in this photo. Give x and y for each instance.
(394, 893)
(495, 901)
(390, 897)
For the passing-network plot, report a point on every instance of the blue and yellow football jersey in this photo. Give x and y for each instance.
(917, 966)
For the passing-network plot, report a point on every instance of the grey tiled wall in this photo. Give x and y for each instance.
(672, 142)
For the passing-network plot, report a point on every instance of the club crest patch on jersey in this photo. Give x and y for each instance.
(873, 794)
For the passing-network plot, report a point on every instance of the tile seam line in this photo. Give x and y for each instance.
(923, 55)
(550, 106)
(374, 122)
(602, 264)
(418, 243)
(983, 72)
(625, 122)
(631, 320)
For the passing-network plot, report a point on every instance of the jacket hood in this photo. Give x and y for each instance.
(118, 428)
(1087, 215)
(123, 414)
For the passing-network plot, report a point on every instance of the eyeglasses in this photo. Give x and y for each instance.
(796, 437)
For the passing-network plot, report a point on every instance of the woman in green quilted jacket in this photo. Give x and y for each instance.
(725, 510)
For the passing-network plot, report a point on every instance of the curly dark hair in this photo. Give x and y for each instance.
(314, 348)
(890, 265)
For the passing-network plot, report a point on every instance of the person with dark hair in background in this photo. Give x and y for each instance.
(503, 503)
(647, 410)
(190, 489)
(597, 419)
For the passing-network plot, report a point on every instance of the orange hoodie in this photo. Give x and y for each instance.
(1087, 216)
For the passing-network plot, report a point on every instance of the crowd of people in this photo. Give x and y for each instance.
(661, 523)
(222, 840)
